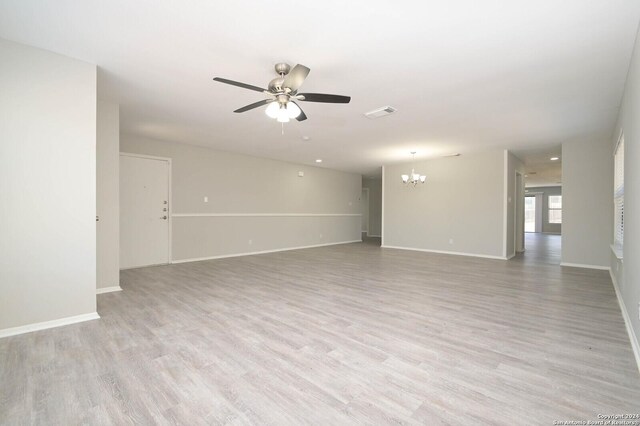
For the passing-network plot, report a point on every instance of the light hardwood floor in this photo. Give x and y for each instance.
(349, 334)
(541, 248)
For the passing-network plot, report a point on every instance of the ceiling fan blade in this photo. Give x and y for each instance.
(322, 97)
(296, 77)
(238, 84)
(302, 116)
(254, 105)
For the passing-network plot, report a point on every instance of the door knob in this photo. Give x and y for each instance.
(164, 217)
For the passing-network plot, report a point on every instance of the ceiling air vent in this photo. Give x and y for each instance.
(380, 112)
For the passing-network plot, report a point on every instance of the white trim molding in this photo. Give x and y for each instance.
(580, 265)
(382, 211)
(13, 331)
(224, 256)
(108, 289)
(456, 253)
(264, 214)
(635, 346)
(505, 203)
(617, 251)
(152, 157)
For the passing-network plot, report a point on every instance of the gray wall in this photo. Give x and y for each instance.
(587, 202)
(627, 275)
(375, 205)
(108, 198)
(254, 204)
(462, 200)
(47, 185)
(546, 191)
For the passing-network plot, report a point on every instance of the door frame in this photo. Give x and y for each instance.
(368, 210)
(170, 198)
(518, 220)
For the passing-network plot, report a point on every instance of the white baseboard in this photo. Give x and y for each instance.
(627, 320)
(108, 289)
(224, 256)
(511, 256)
(374, 236)
(580, 265)
(47, 324)
(457, 253)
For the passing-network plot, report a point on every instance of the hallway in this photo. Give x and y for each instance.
(541, 249)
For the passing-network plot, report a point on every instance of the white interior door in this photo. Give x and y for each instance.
(144, 211)
(364, 202)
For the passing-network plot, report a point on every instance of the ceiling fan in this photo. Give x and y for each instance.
(283, 94)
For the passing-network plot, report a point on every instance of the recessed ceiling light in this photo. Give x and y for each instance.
(305, 138)
(319, 160)
(554, 158)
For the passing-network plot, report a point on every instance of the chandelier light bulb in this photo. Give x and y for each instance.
(272, 110)
(413, 178)
(283, 115)
(293, 110)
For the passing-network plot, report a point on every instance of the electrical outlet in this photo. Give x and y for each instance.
(450, 240)
(250, 242)
(320, 236)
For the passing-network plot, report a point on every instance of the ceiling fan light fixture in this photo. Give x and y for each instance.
(272, 110)
(283, 114)
(283, 94)
(405, 178)
(293, 110)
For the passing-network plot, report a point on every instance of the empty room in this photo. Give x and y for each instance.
(319, 213)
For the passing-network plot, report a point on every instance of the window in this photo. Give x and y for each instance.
(555, 208)
(529, 214)
(618, 195)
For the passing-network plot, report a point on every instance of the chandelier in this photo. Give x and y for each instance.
(413, 178)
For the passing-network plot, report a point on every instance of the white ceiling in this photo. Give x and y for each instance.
(540, 170)
(464, 75)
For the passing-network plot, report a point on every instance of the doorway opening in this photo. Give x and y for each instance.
(371, 209)
(541, 212)
(364, 204)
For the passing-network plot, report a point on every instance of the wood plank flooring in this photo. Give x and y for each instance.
(541, 248)
(349, 334)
